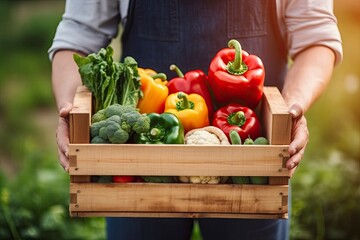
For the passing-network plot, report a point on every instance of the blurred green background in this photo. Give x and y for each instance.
(34, 188)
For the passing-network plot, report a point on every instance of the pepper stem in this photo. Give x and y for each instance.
(237, 118)
(156, 134)
(161, 76)
(175, 68)
(184, 102)
(236, 67)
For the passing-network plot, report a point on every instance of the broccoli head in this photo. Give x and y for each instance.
(116, 123)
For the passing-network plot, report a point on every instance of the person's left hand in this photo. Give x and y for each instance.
(299, 138)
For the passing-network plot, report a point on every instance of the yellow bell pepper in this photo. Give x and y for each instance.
(155, 91)
(190, 109)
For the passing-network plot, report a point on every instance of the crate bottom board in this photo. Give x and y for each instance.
(179, 215)
(178, 200)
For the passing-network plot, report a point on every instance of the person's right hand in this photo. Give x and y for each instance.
(62, 135)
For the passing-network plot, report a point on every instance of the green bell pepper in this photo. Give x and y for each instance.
(165, 128)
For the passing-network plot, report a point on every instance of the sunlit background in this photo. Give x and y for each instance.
(34, 188)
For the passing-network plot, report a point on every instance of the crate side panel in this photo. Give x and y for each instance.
(145, 197)
(80, 116)
(178, 160)
(276, 119)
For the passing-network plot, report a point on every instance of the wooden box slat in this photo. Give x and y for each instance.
(177, 160)
(181, 198)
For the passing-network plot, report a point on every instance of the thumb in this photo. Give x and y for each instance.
(296, 111)
(65, 109)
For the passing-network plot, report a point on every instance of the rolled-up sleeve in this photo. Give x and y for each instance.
(86, 26)
(310, 23)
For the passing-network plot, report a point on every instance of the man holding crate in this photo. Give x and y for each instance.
(189, 33)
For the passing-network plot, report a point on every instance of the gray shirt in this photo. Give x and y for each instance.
(88, 25)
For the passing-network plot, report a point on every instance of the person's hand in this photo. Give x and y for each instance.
(299, 138)
(62, 135)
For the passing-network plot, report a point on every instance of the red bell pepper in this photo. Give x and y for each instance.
(193, 82)
(123, 179)
(239, 118)
(236, 77)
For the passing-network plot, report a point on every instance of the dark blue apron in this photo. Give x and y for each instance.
(190, 32)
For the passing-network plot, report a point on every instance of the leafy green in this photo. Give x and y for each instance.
(110, 81)
(100, 73)
(128, 88)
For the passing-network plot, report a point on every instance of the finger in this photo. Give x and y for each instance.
(300, 136)
(64, 160)
(65, 109)
(295, 160)
(62, 136)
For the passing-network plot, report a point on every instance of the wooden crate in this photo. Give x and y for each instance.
(180, 199)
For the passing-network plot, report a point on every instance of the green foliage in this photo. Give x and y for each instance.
(34, 193)
(326, 198)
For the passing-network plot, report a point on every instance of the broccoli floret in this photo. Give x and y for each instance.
(111, 128)
(138, 122)
(103, 133)
(99, 116)
(95, 128)
(120, 136)
(142, 124)
(131, 117)
(114, 118)
(126, 126)
(98, 140)
(117, 109)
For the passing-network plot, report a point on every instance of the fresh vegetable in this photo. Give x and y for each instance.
(239, 118)
(116, 123)
(128, 88)
(236, 77)
(248, 141)
(261, 141)
(190, 109)
(260, 180)
(123, 179)
(155, 91)
(236, 140)
(109, 81)
(101, 179)
(158, 179)
(205, 136)
(200, 179)
(100, 74)
(164, 128)
(234, 137)
(192, 82)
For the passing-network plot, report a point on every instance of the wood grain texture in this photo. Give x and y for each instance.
(179, 198)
